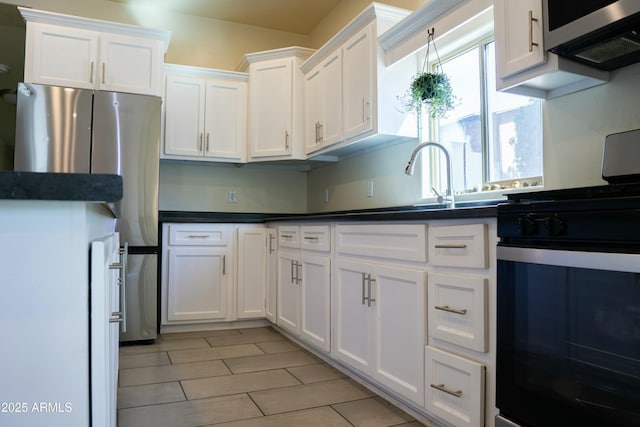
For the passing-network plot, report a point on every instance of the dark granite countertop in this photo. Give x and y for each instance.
(60, 186)
(402, 213)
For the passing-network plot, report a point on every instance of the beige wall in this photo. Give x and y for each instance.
(205, 187)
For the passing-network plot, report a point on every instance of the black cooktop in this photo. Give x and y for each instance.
(622, 190)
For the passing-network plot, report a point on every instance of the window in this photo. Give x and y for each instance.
(494, 138)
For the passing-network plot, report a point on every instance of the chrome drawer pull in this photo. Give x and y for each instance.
(286, 236)
(198, 236)
(451, 246)
(443, 389)
(310, 238)
(451, 310)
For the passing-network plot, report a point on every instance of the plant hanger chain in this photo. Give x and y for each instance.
(430, 40)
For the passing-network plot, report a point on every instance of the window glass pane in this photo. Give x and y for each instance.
(515, 131)
(461, 131)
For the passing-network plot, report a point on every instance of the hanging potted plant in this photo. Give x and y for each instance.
(431, 88)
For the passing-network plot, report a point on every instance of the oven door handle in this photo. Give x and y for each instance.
(609, 261)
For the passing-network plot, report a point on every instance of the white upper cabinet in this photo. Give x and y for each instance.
(351, 94)
(522, 63)
(205, 114)
(523, 48)
(90, 54)
(359, 61)
(323, 104)
(276, 86)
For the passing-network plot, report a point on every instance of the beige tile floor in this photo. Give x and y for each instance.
(241, 377)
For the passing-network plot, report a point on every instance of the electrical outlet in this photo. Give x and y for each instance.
(326, 195)
(232, 197)
(370, 189)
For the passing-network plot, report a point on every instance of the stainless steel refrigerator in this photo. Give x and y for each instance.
(70, 130)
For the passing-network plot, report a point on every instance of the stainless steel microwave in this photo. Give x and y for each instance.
(602, 33)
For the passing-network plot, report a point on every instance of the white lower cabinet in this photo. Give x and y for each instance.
(197, 283)
(252, 272)
(289, 290)
(454, 388)
(271, 275)
(315, 299)
(197, 273)
(304, 283)
(379, 304)
(379, 326)
(460, 356)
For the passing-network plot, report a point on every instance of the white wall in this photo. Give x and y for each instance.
(576, 125)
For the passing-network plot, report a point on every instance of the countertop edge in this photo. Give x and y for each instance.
(384, 214)
(105, 188)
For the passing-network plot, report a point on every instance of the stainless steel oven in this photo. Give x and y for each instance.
(568, 339)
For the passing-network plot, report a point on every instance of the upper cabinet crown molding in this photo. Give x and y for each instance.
(373, 11)
(206, 73)
(45, 17)
(286, 52)
(415, 23)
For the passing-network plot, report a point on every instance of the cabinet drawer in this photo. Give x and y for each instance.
(457, 310)
(406, 242)
(454, 388)
(458, 246)
(317, 238)
(289, 236)
(198, 235)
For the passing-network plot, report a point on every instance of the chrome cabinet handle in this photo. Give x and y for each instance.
(224, 265)
(317, 132)
(295, 272)
(462, 311)
(207, 147)
(91, 72)
(198, 236)
(103, 73)
(286, 236)
(450, 246)
(286, 139)
(311, 238)
(364, 280)
(200, 142)
(531, 21)
(271, 239)
(441, 387)
(122, 281)
(320, 132)
(369, 299)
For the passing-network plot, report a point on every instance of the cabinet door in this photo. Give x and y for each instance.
(61, 56)
(271, 304)
(225, 126)
(316, 282)
(289, 279)
(313, 99)
(251, 272)
(352, 317)
(105, 302)
(357, 56)
(519, 32)
(400, 336)
(331, 123)
(130, 64)
(184, 116)
(270, 105)
(197, 284)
